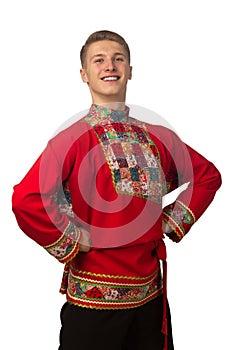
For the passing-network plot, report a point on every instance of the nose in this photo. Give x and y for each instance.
(110, 66)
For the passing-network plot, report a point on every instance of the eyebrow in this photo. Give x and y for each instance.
(102, 55)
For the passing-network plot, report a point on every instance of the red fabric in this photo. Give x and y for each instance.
(182, 164)
(123, 228)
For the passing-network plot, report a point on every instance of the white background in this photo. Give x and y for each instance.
(182, 69)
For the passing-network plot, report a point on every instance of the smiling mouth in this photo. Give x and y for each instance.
(115, 78)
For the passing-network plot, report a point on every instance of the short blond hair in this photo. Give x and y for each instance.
(103, 35)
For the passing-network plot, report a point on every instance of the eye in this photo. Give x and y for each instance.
(119, 59)
(99, 60)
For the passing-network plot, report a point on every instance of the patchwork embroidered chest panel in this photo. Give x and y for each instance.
(131, 154)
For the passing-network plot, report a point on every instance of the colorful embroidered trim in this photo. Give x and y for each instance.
(102, 293)
(67, 245)
(63, 200)
(180, 218)
(132, 156)
(64, 282)
(99, 114)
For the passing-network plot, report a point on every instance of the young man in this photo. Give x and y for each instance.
(93, 200)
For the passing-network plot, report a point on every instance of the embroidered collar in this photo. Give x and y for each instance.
(103, 113)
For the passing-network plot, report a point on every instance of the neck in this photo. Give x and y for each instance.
(108, 102)
(118, 106)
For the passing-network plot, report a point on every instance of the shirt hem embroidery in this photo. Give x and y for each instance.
(108, 291)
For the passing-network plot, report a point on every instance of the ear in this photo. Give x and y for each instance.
(84, 75)
(130, 72)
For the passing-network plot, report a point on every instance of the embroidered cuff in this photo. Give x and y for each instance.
(67, 246)
(180, 218)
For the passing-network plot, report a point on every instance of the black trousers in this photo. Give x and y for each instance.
(131, 329)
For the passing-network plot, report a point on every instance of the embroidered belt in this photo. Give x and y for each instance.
(111, 292)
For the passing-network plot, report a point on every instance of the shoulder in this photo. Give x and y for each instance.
(164, 135)
(67, 139)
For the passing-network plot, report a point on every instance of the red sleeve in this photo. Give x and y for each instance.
(183, 165)
(36, 207)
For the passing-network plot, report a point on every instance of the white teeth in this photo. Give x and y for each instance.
(110, 78)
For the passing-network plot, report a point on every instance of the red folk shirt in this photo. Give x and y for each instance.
(108, 173)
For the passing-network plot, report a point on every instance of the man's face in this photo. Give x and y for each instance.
(106, 71)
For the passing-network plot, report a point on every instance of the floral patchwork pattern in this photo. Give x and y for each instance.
(180, 218)
(63, 200)
(82, 290)
(67, 246)
(131, 154)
